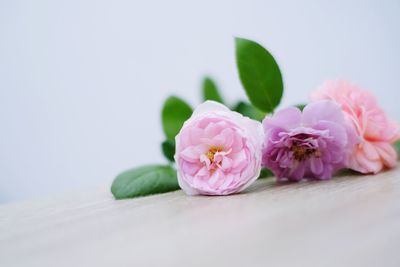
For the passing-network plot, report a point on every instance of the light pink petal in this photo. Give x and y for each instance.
(204, 171)
(227, 181)
(239, 159)
(226, 163)
(190, 168)
(205, 160)
(316, 166)
(322, 110)
(388, 154)
(211, 130)
(209, 107)
(188, 189)
(224, 139)
(214, 178)
(237, 144)
(371, 166)
(286, 118)
(190, 154)
(194, 135)
(370, 151)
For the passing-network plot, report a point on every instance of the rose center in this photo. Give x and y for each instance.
(212, 151)
(301, 153)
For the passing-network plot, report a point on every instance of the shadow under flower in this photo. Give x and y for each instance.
(270, 182)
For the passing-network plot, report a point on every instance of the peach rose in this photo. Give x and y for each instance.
(375, 130)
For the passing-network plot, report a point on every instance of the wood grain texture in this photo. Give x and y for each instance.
(348, 221)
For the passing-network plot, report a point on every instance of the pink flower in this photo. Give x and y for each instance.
(376, 132)
(312, 144)
(218, 151)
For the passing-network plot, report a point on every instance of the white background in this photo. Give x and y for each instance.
(82, 82)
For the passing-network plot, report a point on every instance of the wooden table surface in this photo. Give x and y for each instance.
(347, 221)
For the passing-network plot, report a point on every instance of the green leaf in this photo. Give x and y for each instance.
(300, 106)
(168, 149)
(210, 91)
(265, 173)
(174, 113)
(145, 180)
(397, 147)
(259, 74)
(249, 110)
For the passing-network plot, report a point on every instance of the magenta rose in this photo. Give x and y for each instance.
(218, 151)
(311, 144)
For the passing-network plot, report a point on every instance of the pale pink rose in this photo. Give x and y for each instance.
(375, 130)
(218, 151)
